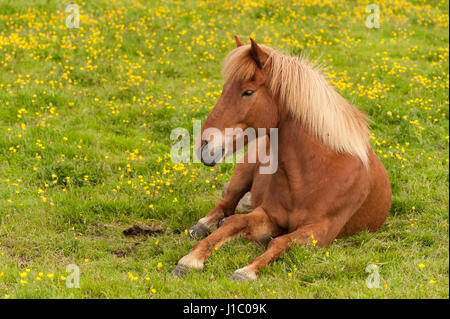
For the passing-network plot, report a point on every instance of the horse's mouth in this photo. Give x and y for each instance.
(210, 164)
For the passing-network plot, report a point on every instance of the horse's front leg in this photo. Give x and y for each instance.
(254, 226)
(240, 183)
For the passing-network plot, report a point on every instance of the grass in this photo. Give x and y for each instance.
(85, 123)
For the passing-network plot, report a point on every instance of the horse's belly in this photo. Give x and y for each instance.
(373, 212)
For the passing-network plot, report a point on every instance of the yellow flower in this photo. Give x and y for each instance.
(50, 276)
(421, 266)
(153, 290)
(159, 265)
(130, 275)
(432, 281)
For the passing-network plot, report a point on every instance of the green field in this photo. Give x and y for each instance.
(85, 121)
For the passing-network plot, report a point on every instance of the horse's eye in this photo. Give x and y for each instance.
(247, 93)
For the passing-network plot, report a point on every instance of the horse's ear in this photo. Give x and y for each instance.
(258, 54)
(238, 42)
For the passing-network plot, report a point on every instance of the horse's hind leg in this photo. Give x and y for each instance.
(240, 184)
(254, 226)
(316, 234)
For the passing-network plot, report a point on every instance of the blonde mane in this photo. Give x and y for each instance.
(309, 97)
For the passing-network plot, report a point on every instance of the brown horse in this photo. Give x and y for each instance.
(329, 183)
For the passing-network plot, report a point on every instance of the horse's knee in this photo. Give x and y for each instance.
(234, 220)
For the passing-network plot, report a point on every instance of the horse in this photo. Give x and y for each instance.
(329, 182)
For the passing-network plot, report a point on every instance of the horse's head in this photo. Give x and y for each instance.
(244, 106)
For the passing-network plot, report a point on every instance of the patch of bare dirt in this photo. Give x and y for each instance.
(126, 251)
(142, 229)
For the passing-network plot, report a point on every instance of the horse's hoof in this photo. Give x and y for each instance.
(222, 221)
(198, 231)
(180, 270)
(240, 275)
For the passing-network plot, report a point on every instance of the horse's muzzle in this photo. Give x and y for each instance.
(211, 155)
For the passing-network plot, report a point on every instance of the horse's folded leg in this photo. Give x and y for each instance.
(202, 250)
(232, 194)
(218, 215)
(280, 245)
(206, 224)
(276, 247)
(254, 226)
